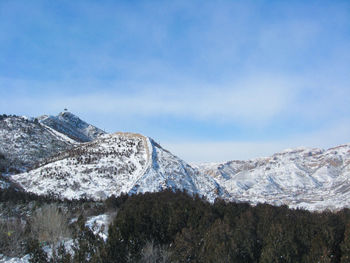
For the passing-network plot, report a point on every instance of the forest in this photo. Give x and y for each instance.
(176, 227)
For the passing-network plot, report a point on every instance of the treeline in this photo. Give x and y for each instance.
(15, 194)
(4, 116)
(29, 222)
(175, 227)
(193, 230)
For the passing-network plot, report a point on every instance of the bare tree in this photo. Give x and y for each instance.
(152, 253)
(49, 225)
(12, 237)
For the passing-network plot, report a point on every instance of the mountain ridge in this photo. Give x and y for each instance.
(24, 141)
(114, 164)
(310, 178)
(72, 126)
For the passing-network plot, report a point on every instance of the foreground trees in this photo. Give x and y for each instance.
(49, 225)
(175, 227)
(193, 230)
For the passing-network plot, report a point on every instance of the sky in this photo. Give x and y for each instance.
(211, 81)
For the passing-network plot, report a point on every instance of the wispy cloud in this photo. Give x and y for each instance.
(276, 68)
(331, 135)
(256, 99)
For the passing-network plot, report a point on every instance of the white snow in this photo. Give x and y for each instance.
(72, 126)
(313, 179)
(99, 225)
(24, 142)
(115, 164)
(4, 259)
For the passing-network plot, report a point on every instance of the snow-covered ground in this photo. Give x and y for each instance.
(4, 184)
(114, 164)
(72, 126)
(24, 142)
(4, 259)
(314, 179)
(98, 224)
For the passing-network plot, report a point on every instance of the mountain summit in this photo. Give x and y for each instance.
(72, 126)
(24, 142)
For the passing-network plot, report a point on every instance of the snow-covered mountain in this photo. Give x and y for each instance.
(24, 142)
(72, 126)
(113, 164)
(314, 179)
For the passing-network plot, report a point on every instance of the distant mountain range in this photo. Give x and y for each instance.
(314, 179)
(69, 158)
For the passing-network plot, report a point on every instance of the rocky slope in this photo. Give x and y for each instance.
(115, 164)
(314, 179)
(24, 142)
(72, 126)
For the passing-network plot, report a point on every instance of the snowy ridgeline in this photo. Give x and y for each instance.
(24, 142)
(314, 179)
(118, 163)
(72, 126)
(115, 164)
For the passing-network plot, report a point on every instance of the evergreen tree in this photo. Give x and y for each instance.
(88, 247)
(279, 246)
(345, 245)
(36, 252)
(219, 244)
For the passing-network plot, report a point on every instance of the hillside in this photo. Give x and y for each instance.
(24, 142)
(115, 164)
(314, 179)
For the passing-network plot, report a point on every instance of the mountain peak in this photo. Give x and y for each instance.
(24, 142)
(66, 114)
(72, 126)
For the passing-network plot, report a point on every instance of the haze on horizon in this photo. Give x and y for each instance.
(209, 80)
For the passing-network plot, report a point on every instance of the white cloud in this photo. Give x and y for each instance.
(248, 101)
(199, 152)
(255, 100)
(331, 135)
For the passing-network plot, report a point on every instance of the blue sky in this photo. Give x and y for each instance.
(209, 80)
